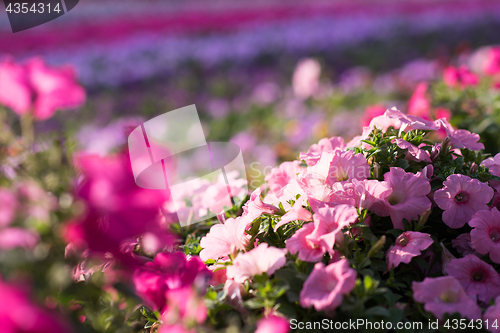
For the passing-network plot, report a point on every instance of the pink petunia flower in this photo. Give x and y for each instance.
(184, 305)
(492, 61)
(460, 198)
(492, 314)
(367, 191)
(296, 213)
(225, 239)
(324, 145)
(485, 237)
(262, 259)
(346, 165)
(326, 286)
(307, 246)
(493, 164)
(445, 295)
(168, 271)
(407, 200)
(408, 245)
(417, 153)
(459, 77)
(329, 222)
(273, 324)
(254, 207)
(279, 177)
(463, 244)
(460, 138)
(477, 277)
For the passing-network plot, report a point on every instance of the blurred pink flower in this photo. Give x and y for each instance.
(419, 105)
(254, 207)
(175, 328)
(372, 112)
(459, 77)
(492, 314)
(460, 138)
(184, 305)
(492, 61)
(11, 238)
(8, 207)
(38, 88)
(35, 202)
(329, 222)
(19, 314)
(417, 153)
(234, 295)
(306, 246)
(273, 324)
(460, 198)
(305, 80)
(262, 259)
(324, 145)
(296, 213)
(477, 277)
(279, 177)
(398, 120)
(225, 239)
(408, 245)
(169, 271)
(326, 286)
(407, 200)
(485, 237)
(445, 295)
(116, 208)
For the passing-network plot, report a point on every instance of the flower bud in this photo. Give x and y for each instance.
(446, 257)
(377, 246)
(474, 168)
(444, 145)
(424, 217)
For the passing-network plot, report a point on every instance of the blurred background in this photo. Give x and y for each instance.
(272, 76)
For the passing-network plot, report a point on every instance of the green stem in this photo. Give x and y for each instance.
(27, 130)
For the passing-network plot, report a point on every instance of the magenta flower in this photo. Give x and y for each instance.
(460, 138)
(262, 259)
(408, 245)
(492, 314)
(485, 237)
(445, 295)
(279, 177)
(307, 246)
(296, 213)
(19, 314)
(167, 272)
(329, 222)
(34, 87)
(460, 198)
(273, 324)
(116, 208)
(346, 165)
(326, 286)
(477, 277)
(324, 145)
(225, 239)
(492, 61)
(407, 200)
(417, 153)
(459, 77)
